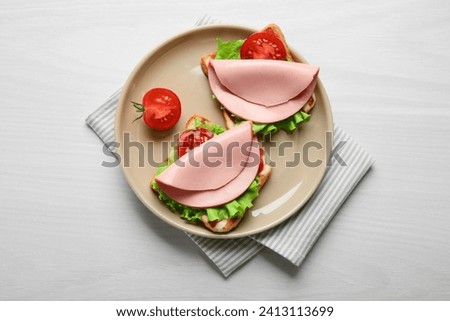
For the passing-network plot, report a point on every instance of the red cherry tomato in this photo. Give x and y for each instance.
(160, 108)
(192, 138)
(263, 45)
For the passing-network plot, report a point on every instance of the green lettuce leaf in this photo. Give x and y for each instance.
(289, 124)
(228, 49)
(237, 207)
(216, 129)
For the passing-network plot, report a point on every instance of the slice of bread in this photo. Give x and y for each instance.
(226, 225)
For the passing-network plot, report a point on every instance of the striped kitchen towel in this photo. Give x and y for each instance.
(294, 238)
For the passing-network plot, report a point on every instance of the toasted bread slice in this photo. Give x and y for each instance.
(223, 226)
(271, 28)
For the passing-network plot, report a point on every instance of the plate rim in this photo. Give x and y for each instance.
(207, 233)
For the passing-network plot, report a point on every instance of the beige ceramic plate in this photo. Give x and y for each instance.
(299, 162)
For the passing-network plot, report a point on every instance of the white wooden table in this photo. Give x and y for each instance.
(71, 229)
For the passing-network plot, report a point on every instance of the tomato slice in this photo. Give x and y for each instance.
(192, 138)
(263, 45)
(162, 108)
(261, 160)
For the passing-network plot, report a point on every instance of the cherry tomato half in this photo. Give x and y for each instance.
(160, 108)
(192, 138)
(263, 45)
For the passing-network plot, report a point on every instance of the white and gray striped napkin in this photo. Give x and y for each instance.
(294, 238)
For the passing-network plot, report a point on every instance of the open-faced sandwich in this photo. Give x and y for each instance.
(257, 79)
(212, 175)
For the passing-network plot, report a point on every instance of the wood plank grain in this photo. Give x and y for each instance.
(71, 229)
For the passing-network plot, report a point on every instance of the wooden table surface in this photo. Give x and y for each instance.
(71, 229)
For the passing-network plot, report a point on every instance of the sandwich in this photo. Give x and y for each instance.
(212, 175)
(257, 79)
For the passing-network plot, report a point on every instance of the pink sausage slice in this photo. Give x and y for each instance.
(215, 172)
(263, 91)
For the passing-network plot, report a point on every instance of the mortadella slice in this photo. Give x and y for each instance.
(212, 164)
(224, 194)
(215, 172)
(263, 91)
